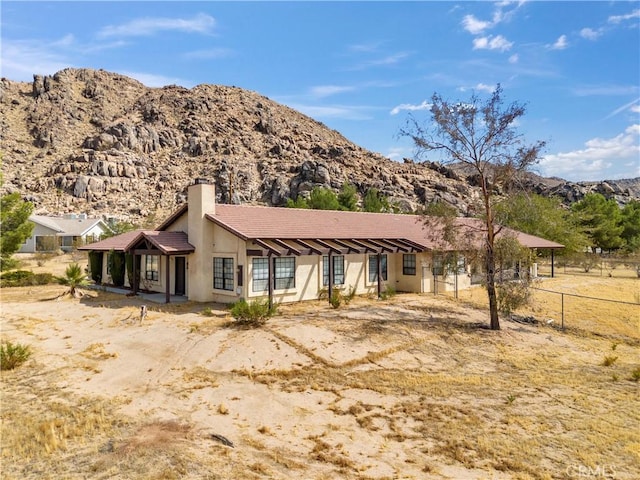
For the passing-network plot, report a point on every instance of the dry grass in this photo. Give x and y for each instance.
(430, 394)
(584, 315)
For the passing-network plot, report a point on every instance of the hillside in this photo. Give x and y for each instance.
(90, 141)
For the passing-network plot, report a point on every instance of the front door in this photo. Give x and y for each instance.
(180, 276)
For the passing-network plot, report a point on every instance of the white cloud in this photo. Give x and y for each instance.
(606, 90)
(211, 53)
(201, 23)
(22, 59)
(632, 106)
(472, 25)
(398, 153)
(483, 87)
(621, 18)
(410, 107)
(492, 43)
(560, 44)
(514, 58)
(322, 91)
(331, 111)
(590, 33)
(599, 155)
(501, 14)
(152, 80)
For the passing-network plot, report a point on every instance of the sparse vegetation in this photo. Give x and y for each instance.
(25, 278)
(387, 293)
(252, 314)
(74, 278)
(12, 355)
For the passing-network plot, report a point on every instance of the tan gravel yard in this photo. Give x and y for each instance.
(410, 387)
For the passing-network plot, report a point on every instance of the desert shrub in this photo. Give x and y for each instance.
(513, 295)
(635, 375)
(25, 278)
(117, 267)
(340, 296)
(252, 314)
(336, 298)
(609, 360)
(95, 266)
(586, 261)
(13, 355)
(17, 278)
(43, 278)
(387, 293)
(207, 312)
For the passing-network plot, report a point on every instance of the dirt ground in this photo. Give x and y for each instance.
(412, 387)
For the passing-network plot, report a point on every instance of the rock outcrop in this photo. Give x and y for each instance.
(90, 141)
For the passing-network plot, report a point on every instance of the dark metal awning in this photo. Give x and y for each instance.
(262, 247)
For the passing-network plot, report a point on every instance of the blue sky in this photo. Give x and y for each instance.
(362, 67)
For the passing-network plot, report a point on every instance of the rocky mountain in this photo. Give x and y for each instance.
(90, 141)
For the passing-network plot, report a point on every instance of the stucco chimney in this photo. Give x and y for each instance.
(201, 196)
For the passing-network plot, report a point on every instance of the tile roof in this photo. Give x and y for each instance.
(67, 226)
(169, 243)
(257, 222)
(278, 224)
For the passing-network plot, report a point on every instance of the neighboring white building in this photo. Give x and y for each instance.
(221, 253)
(52, 233)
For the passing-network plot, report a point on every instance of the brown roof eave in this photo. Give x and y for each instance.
(229, 229)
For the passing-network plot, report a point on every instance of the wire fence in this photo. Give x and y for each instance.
(602, 267)
(585, 306)
(597, 315)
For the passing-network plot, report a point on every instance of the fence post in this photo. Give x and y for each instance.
(562, 303)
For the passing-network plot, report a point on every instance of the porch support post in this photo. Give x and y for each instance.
(271, 280)
(135, 275)
(379, 271)
(552, 264)
(330, 259)
(167, 290)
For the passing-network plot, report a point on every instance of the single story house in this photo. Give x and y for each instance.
(66, 232)
(221, 253)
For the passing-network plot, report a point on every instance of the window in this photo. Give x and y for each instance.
(223, 273)
(260, 274)
(373, 267)
(338, 270)
(409, 264)
(151, 267)
(285, 272)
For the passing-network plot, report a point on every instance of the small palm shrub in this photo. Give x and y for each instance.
(13, 355)
(74, 278)
(252, 314)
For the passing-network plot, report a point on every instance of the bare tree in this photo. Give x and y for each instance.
(481, 136)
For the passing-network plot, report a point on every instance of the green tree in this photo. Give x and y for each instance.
(480, 135)
(15, 227)
(299, 202)
(118, 227)
(74, 278)
(631, 226)
(348, 198)
(543, 217)
(323, 199)
(117, 267)
(375, 201)
(601, 220)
